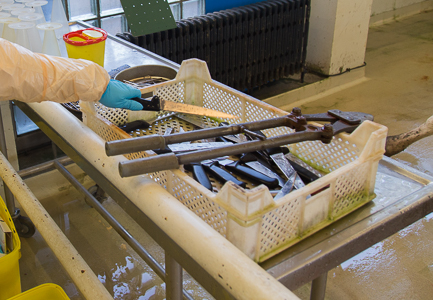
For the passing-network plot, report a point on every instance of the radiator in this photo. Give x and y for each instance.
(244, 47)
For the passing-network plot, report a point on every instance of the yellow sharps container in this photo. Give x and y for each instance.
(10, 283)
(86, 44)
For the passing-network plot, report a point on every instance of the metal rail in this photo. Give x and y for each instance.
(175, 281)
(81, 274)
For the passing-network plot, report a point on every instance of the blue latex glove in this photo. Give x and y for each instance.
(118, 95)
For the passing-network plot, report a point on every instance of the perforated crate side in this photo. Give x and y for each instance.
(279, 227)
(208, 210)
(172, 91)
(351, 190)
(218, 99)
(204, 207)
(103, 129)
(326, 157)
(116, 116)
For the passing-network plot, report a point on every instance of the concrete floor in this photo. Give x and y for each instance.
(398, 92)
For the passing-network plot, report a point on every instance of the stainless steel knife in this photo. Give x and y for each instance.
(250, 159)
(285, 167)
(199, 174)
(197, 170)
(260, 165)
(213, 168)
(196, 146)
(245, 171)
(158, 104)
(277, 156)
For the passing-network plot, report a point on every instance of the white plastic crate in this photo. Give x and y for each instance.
(251, 219)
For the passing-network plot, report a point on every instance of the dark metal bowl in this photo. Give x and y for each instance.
(146, 75)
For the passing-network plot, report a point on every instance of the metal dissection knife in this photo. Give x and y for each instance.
(284, 165)
(213, 168)
(196, 146)
(197, 169)
(259, 165)
(236, 167)
(158, 104)
(277, 156)
(199, 174)
(250, 159)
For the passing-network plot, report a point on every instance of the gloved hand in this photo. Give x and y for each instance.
(118, 95)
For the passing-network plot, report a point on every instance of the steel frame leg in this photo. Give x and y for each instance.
(6, 117)
(318, 287)
(173, 279)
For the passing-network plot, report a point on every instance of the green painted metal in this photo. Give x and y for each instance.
(148, 16)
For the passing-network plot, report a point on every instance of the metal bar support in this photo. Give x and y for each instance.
(5, 116)
(160, 142)
(173, 278)
(143, 253)
(43, 167)
(173, 161)
(318, 287)
(80, 273)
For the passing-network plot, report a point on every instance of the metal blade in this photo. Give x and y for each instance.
(226, 162)
(194, 110)
(262, 169)
(246, 171)
(196, 146)
(287, 169)
(287, 188)
(193, 119)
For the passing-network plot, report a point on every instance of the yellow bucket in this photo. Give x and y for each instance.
(10, 283)
(86, 44)
(45, 291)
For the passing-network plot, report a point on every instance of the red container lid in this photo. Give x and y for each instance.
(87, 39)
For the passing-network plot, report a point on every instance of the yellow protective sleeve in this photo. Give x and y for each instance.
(34, 77)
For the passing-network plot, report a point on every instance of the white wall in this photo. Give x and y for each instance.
(337, 35)
(339, 28)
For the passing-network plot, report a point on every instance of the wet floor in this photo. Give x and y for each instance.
(399, 93)
(119, 268)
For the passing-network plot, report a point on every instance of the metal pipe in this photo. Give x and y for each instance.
(9, 197)
(146, 256)
(173, 161)
(80, 273)
(318, 287)
(173, 275)
(43, 167)
(112, 221)
(160, 142)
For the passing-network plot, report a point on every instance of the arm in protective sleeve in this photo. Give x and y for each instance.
(34, 77)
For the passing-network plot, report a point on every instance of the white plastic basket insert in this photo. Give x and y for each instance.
(250, 218)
